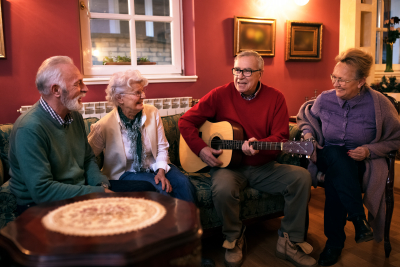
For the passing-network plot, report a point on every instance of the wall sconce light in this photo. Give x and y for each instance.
(301, 2)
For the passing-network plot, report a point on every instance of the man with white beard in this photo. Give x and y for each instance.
(50, 157)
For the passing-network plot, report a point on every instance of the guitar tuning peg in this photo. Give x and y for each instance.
(307, 157)
(300, 156)
(294, 139)
(292, 155)
(302, 139)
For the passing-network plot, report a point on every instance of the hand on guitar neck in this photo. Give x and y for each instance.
(313, 158)
(248, 149)
(207, 156)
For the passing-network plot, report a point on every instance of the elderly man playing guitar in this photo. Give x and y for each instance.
(262, 113)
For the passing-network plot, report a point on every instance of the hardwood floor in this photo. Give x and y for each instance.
(261, 241)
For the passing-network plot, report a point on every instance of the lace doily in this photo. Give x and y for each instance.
(104, 216)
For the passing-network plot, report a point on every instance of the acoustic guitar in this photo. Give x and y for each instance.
(229, 137)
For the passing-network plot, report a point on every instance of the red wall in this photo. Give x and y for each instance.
(36, 30)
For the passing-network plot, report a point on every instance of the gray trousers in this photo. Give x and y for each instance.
(293, 182)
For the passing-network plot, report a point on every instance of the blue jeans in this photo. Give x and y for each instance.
(182, 188)
(342, 191)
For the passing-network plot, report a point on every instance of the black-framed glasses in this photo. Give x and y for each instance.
(245, 72)
(339, 80)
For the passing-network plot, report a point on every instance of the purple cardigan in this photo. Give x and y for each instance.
(387, 139)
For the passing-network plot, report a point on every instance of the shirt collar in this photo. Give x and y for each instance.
(354, 101)
(253, 95)
(66, 121)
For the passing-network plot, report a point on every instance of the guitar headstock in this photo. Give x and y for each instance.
(298, 147)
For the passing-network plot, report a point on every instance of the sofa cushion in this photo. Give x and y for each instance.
(172, 133)
(8, 205)
(5, 131)
(88, 122)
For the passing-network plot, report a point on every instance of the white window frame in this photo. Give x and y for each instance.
(379, 68)
(99, 74)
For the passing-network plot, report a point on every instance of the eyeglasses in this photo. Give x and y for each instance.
(245, 72)
(339, 80)
(137, 93)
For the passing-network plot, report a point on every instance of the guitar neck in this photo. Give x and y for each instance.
(237, 144)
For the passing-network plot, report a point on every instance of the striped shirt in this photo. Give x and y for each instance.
(66, 121)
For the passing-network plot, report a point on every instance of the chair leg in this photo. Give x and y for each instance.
(389, 206)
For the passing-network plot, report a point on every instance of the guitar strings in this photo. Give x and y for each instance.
(237, 144)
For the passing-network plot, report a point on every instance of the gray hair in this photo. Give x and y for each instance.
(120, 83)
(357, 58)
(49, 73)
(251, 53)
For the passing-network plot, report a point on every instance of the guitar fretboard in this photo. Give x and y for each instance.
(237, 144)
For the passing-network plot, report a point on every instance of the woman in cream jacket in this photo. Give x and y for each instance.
(133, 140)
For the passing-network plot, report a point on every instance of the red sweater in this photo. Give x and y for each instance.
(265, 117)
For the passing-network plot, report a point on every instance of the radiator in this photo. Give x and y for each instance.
(166, 107)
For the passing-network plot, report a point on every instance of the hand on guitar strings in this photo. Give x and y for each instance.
(207, 156)
(248, 149)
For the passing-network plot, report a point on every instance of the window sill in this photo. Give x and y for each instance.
(379, 74)
(150, 78)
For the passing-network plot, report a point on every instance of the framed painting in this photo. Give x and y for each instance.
(2, 47)
(303, 41)
(256, 34)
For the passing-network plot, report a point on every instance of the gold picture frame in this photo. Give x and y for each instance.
(2, 45)
(303, 41)
(256, 34)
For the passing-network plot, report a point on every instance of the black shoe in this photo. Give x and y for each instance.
(363, 230)
(329, 256)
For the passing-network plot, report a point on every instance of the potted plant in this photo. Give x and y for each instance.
(118, 60)
(144, 61)
(393, 34)
(388, 86)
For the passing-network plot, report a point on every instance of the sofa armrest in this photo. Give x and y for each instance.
(1, 173)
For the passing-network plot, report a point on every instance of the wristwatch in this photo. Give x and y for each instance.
(105, 185)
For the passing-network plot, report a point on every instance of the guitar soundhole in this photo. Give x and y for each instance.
(216, 143)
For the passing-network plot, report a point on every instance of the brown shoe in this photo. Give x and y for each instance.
(295, 253)
(234, 251)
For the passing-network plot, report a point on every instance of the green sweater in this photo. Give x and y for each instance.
(49, 162)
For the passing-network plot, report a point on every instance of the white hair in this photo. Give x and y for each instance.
(50, 73)
(120, 83)
(251, 53)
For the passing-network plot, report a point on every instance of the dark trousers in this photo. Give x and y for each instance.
(131, 186)
(342, 191)
(116, 186)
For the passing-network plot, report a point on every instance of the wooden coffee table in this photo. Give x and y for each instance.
(173, 241)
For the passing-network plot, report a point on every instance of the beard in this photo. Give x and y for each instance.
(71, 104)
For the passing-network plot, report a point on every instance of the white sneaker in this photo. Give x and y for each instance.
(234, 251)
(295, 253)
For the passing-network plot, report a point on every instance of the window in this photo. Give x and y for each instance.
(119, 34)
(385, 10)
